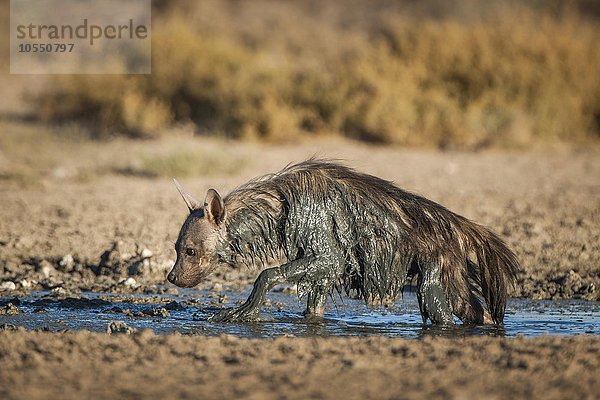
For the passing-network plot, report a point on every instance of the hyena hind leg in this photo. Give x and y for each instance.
(471, 311)
(470, 308)
(433, 301)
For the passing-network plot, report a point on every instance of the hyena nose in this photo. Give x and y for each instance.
(172, 277)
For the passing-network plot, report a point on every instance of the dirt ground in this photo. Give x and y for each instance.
(86, 365)
(82, 217)
(89, 220)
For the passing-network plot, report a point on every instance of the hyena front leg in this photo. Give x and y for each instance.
(251, 308)
(310, 268)
(315, 304)
(433, 301)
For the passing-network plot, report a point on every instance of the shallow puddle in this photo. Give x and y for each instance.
(188, 313)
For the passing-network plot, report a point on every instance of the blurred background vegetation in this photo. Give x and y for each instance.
(449, 74)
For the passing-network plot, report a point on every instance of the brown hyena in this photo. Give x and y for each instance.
(333, 227)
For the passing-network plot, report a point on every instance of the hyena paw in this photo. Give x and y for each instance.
(236, 314)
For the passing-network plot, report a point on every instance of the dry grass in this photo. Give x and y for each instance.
(184, 162)
(32, 155)
(477, 76)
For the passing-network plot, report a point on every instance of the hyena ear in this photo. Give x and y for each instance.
(214, 207)
(190, 201)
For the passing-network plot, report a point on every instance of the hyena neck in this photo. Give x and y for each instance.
(252, 232)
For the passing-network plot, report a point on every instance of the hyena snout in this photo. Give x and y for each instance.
(172, 277)
(186, 276)
(177, 276)
(181, 280)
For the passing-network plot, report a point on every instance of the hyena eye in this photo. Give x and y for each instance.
(190, 252)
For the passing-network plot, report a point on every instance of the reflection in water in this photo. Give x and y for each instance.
(190, 312)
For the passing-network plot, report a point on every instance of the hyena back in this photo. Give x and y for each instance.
(333, 227)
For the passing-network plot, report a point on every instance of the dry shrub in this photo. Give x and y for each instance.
(469, 85)
(276, 70)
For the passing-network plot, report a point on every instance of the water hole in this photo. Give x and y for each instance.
(188, 313)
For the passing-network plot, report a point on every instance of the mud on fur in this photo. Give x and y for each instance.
(330, 227)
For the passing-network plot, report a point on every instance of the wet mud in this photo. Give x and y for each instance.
(141, 364)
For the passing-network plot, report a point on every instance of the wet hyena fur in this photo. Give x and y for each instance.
(332, 227)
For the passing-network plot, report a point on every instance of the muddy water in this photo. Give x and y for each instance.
(188, 313)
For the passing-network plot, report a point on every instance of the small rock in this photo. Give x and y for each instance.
(47, 268)
(25, 284)
(8, 285)
(129, 313)
(66, 261)
(156, 312)
(146, 253)
(217, 287)
(10, 309)
(59, 291)
(129, 282)
(119, 327)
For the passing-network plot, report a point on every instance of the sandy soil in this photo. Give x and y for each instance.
(86, 365)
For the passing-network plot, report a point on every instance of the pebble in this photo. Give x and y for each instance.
(8, 285)
(59, 291)
(119, 327)
(129, 282)
(146, 254)
(10, 309)
(66, 261)
(47, 268)
(155, 312)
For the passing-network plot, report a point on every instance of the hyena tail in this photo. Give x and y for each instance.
(488, 276)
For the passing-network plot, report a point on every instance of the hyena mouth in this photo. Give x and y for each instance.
(187, 281)
(183, 282)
